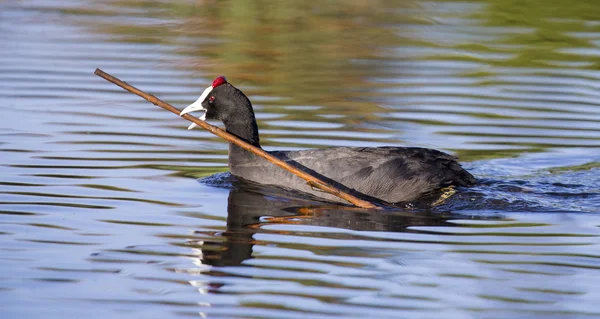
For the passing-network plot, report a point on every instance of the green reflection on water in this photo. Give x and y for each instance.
(332, 54)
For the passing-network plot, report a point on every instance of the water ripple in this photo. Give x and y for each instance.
(101, 207)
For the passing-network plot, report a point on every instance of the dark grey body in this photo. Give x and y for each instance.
(390, 174)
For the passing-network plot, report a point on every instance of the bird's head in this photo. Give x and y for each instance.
(220, 101)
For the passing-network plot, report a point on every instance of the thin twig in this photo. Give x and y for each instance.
(313, 181)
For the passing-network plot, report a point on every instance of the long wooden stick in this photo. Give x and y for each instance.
(313, 181)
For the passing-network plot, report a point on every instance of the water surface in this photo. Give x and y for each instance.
(106, 208)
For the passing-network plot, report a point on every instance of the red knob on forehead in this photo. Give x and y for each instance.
(218, 81)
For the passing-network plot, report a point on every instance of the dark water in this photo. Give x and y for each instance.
(104, 213)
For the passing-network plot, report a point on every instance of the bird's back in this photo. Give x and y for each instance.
(391, 174)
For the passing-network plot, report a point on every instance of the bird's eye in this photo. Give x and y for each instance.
(211, 99)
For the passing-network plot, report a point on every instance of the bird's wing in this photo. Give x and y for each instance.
(391, 173)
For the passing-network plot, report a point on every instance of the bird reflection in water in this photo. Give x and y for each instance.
(252, 206)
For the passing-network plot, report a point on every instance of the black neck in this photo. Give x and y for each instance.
(243, 125)
(245, 131)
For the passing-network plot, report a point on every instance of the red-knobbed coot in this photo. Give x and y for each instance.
(390, 174)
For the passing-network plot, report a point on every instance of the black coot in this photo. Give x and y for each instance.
(390, 174)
